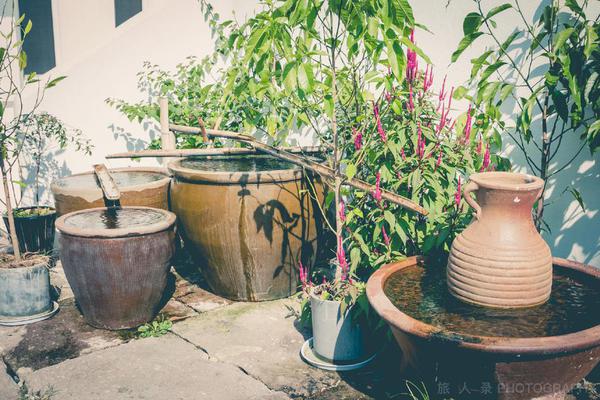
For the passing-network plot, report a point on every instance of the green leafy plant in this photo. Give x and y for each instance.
(409, 144)
(13, 61)
(157, 328)
(549, 68)
(41, 133)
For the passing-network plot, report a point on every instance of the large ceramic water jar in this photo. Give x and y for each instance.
(147, 187)
(248, 221)
(116, 262)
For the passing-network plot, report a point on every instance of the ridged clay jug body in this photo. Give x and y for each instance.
(500, 260)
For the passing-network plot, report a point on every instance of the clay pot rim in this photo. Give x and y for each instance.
(577, 341)
(74, 191)
(42, 264)
(488, 180)
(160, 226)
(232, 177)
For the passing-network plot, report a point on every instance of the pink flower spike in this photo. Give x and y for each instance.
(402, 154)
(381, 131)
(468, 125)
(439, 159)
(341, 257)
(386, 238)
(357, 139)
(342, 211)
(303, 274)
(486, 158)
(442, 95)
(377, 192)
(458, 194)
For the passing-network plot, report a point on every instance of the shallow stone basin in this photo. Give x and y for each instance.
(486, 367)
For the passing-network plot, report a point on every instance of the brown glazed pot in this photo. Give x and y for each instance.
(516, 368)
(118, 275)
(247, 230)
(500, 260)
(80, 191)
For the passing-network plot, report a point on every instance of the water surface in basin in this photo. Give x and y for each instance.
(115, 218)
(237, 164)
(422, 293)
(122, 179)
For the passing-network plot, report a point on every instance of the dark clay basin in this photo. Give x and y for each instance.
(540, 352)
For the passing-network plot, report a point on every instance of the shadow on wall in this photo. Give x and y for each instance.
(573, 232)
(133, 143)
(37, 191)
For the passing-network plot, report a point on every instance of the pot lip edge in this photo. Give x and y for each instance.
(44, 265)
(233, 177)
(535, 184)
(161, 226)
(547, 345)
(56, 189)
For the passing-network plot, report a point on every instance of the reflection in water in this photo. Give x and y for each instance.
(115, 218)
(237, 164)
(122, 179)
(422, 294)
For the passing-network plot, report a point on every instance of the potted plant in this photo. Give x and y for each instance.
(39, 134)
(24, 280)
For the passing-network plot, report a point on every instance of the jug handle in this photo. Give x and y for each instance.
(469, 187)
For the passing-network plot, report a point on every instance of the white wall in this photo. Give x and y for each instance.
(101, 61)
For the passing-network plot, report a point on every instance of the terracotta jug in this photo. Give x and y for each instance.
(500, 260)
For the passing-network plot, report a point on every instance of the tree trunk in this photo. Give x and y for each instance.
(9, 210)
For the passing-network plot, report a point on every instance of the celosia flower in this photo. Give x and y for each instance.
(377, 192)
(486, 158)
(458, 194)
(357, 139)
(428, 78)
(439, 160)
(341, 258)
(412, 64)
(468, 125)
(303, 274)
(402, 154)
(442, 95)
(342, 211)
(386, 238)
(388, 96)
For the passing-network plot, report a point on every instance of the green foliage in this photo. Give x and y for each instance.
(549, 68)
(13, 61)
(157, 328)
(380, 231)
(39, 134)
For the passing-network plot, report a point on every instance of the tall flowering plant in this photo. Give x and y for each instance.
(416, 143)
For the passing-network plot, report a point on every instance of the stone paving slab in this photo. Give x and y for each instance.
(153, 368)
(8, 388)
(263, 339)
(62, 337)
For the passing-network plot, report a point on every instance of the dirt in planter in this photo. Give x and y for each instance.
(27, 260)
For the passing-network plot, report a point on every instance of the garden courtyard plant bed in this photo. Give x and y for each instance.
(216, 347)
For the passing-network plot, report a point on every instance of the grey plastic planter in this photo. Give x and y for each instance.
(25, 295)
(335, 337)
